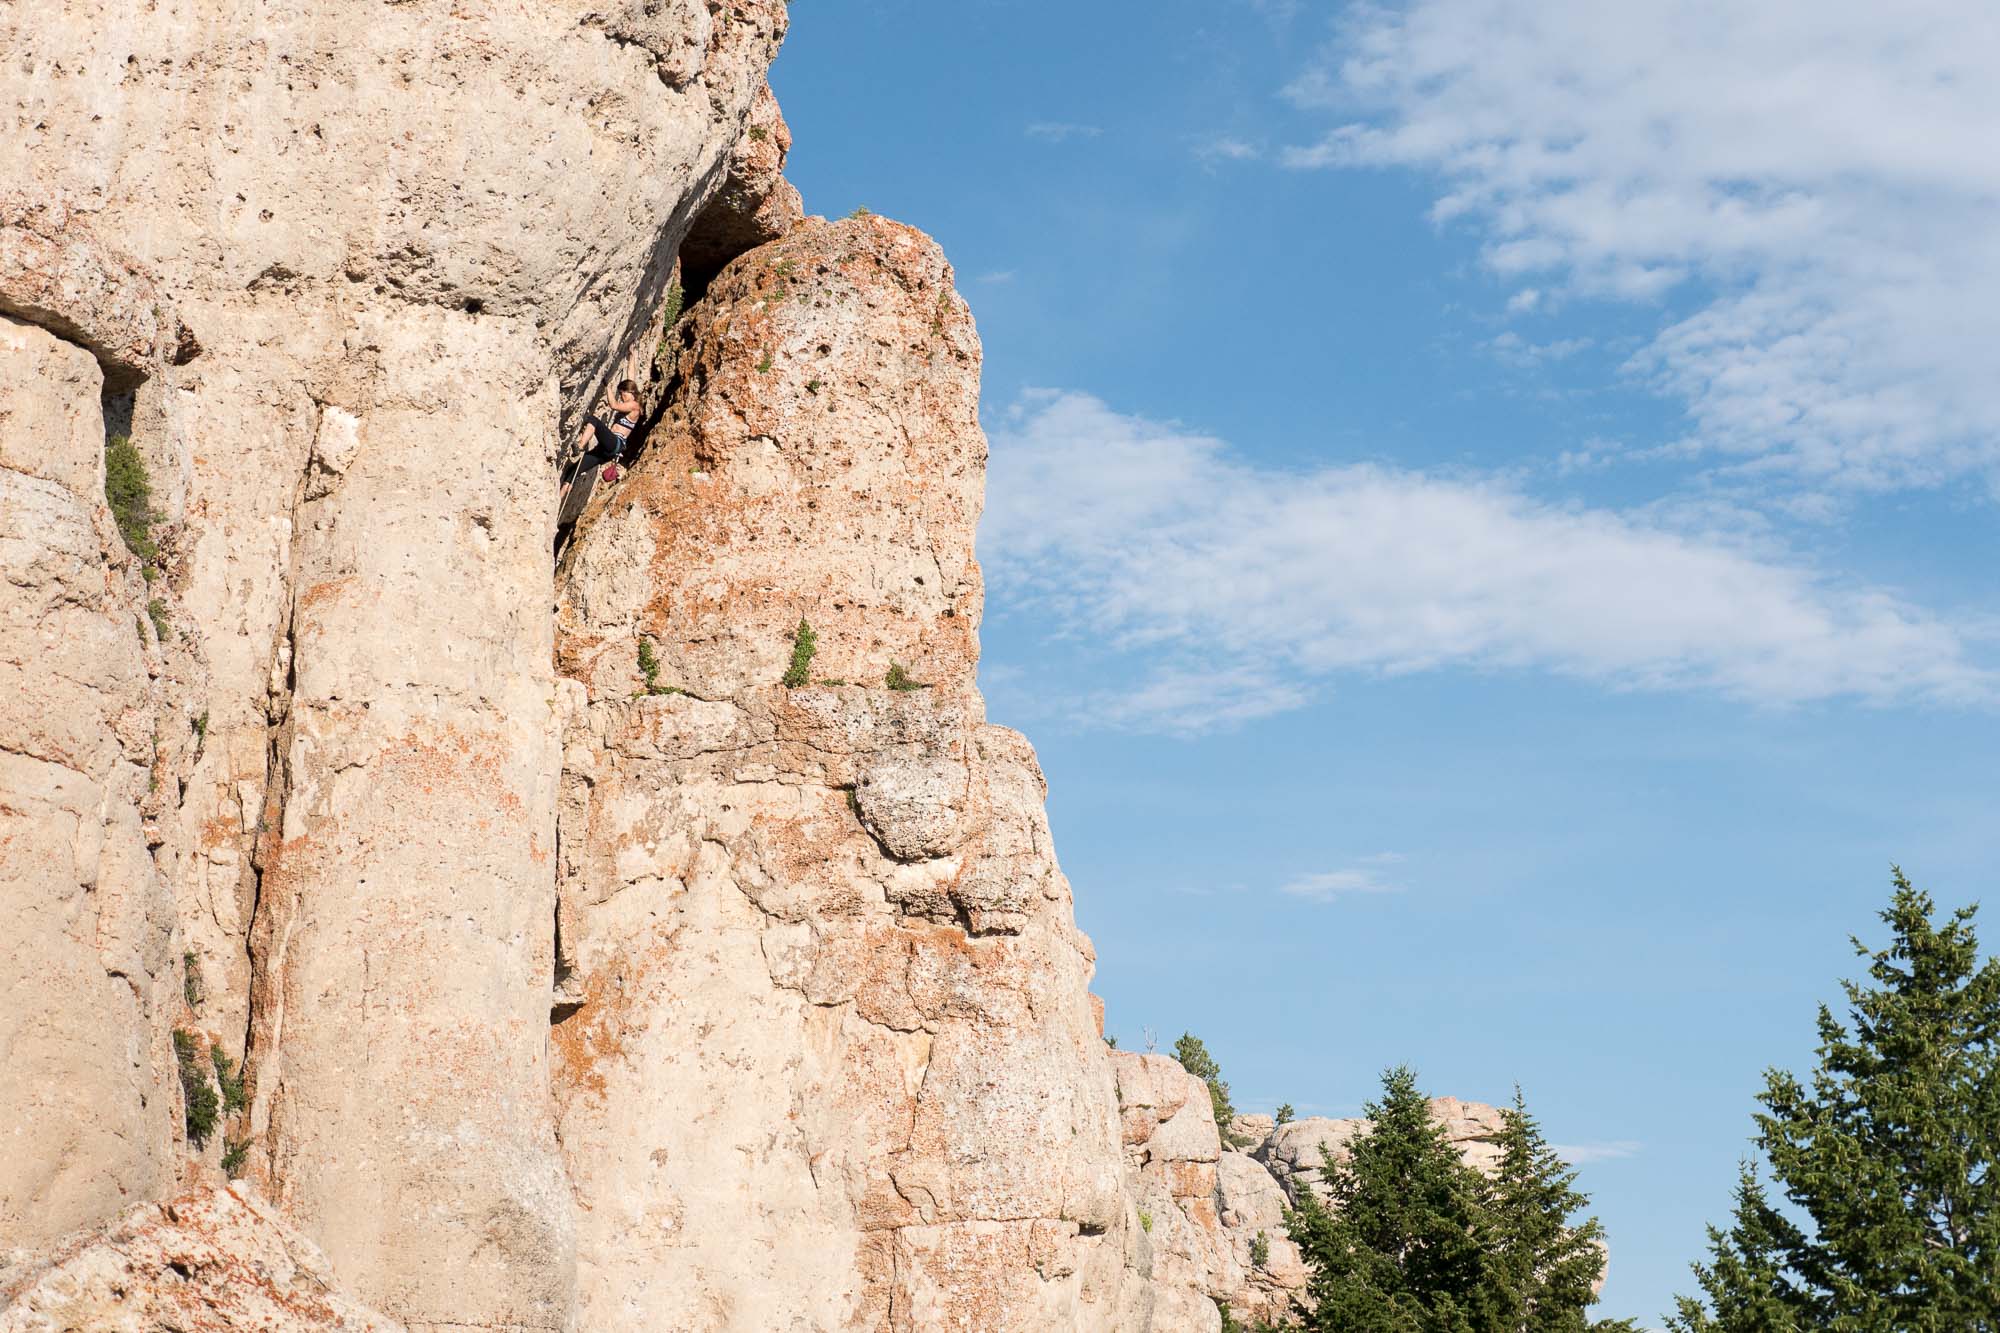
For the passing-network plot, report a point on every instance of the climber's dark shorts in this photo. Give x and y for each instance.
(608, 442)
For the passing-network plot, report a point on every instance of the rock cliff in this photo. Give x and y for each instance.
(414, 930)
(825, 1053)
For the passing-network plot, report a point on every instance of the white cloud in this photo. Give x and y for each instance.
(1515, 350)
(1190, 701)
(1817, 176)
(1581, 1154)
(997, 277)
(1327, 886)
(1059, 131)
(1248, 585)
(1223, 148)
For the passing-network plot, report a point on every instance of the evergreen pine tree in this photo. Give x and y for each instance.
(1889, 1160)
(1545, 1264)
(1743, 1287)
(1194, 1058)
(1404, 1244)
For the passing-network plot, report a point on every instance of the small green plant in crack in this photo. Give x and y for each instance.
(201, 727)
(862, 211)
(130, 495)
(804, 644)
(1285, 1113)
(191, 989)
(813, 386)
(156, 611)
(670, 315)
(900, 680)
(198, 1098)
(649, 667)
(764, 364)
(1145, 1221)
(229, 1079)
(235, 1152)
(781, 283)
(937, 316)
(759, 133)
(1260, 1251)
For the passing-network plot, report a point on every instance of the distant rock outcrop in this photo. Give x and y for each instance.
(1293, 1151)
(1215, 1215)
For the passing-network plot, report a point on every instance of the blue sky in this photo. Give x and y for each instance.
(1490, 524)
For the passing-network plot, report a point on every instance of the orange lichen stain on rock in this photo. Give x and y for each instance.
(597, 1032)
(218, 831)
(820, 855)
(452, 763)
(320, 592)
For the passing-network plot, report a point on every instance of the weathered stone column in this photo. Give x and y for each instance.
(88, 1116)
(405, 932)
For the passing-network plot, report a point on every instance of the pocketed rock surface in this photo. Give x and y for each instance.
(820, 927)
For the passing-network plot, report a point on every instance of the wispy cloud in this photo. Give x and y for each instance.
(1515, 350)
(1224, 148)
(1190, 701)
(1817, 176)
(997, 277)
(1247, 586)
(1059, 131)
(1331, 884)
(1581, 1154)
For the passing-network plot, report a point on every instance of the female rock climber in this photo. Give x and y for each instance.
(601, 453)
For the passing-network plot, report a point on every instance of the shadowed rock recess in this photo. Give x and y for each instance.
(388, 948)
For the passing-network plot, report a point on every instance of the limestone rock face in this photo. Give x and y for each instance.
(88, 979)
(1171, 1145)
(755, 205)
(1252, 1205)
(826, 1057)
(1248, 1131)
(1292, 1152)
(345, 273)
(210, 1261)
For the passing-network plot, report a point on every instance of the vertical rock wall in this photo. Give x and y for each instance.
(403, 936)
(827, 1058)
(87, 979)
(408, 242)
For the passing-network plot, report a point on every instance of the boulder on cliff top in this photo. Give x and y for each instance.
(1293, 1151)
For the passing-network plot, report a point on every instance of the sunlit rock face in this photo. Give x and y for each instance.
(827, 1058)
(211, 1260)
(734, 986)
(395, 250)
